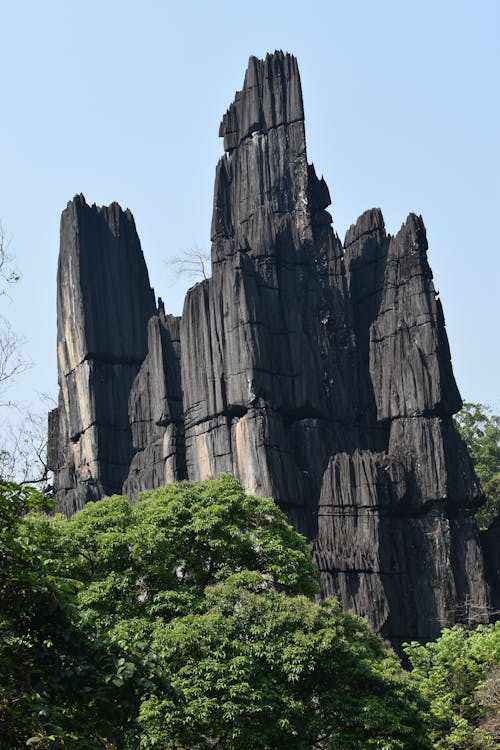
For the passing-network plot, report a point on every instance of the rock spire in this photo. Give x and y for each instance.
(317, 371)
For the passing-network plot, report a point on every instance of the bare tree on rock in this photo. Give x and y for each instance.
(194, 264)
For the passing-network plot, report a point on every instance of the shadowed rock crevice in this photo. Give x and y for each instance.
(316, 372)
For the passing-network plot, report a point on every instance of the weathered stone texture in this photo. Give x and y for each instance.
(490, 540)
(156, 412)
(388, 562)
(318, 373)
(271, 329)
(103, 304)
(410, 362)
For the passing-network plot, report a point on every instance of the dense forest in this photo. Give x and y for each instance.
(191, 621)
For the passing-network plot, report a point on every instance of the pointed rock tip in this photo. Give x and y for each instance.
(278, 54)
(369, 222)
(78, 200)
(271, 96)
(413, 222)
(73, 209)
(257, 66)
(319, 195)
(411, 237)
(414, 227)
(77, 209)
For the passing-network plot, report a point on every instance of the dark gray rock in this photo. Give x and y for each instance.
(268, 351)
(156, 411)
(490, 542)
(303, 361)
(410, 363)
(104, 301)
(319, 374)
(406, 570)
(365, 255)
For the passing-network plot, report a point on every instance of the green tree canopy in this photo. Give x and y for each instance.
(207, 594)
(58, 683)
(260, 669)
(156, 559)
(458, 674)
(480, 429)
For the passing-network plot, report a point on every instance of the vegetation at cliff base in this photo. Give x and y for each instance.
(459, 674)
(189, 621)
(57, 678)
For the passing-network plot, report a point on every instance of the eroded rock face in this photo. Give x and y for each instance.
(104, 302)
(156, 411)
(273, 325)
(318, 373)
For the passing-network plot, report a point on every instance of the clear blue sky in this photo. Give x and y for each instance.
(122, 101)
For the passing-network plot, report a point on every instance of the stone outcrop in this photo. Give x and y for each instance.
(104, 302)
(156, 411)
(317, 372)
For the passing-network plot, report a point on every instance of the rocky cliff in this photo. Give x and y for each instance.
(104, 302)
(317, 372)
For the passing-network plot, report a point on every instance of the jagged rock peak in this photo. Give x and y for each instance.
(101, 265)
(319, 375)
(369, 223)
(264, 174)
(271, 96)
(409, 353)
(112, 213)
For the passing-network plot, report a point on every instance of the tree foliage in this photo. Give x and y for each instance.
(458, 674)
(259, 669)
(480, 429)
(195, 609)
(488, 700)
(157, 558)
(59, 684)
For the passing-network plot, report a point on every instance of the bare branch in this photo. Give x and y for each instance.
(23, 450)
(7, 274)
(192, 263)
(23, 437)
(12, 362)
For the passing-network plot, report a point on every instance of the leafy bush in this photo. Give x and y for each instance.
(457, 674)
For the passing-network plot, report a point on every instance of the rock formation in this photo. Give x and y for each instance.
(156, 411)
(104, 302)
(318, 373)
